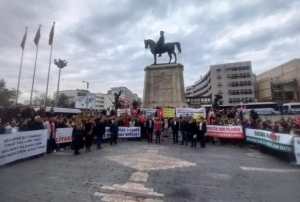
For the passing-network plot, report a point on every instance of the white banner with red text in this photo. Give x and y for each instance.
(125, 132)
(63, 135)
(22, 145)
(224, 131)
(297, 149)
(278, 141)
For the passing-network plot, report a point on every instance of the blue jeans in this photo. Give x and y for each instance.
(183, 136)
(99, 140)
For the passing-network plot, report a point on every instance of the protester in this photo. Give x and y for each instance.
(113, 129)
(11, 128)
(202, 132)
(77, 136)
(99, 132)
(182, 130)
(89, 134)
(158, 129)
(23, 126)
(41, 112)
(149, 127)
(36, 124)
(2, 129)
(193, 133)
(175, 128)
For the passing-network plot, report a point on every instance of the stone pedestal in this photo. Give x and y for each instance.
(164, 86)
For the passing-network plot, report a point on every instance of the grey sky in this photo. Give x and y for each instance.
(103, 40)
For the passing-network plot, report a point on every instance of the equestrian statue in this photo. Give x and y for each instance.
(162, 47)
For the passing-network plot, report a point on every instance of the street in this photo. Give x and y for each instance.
(137, 171)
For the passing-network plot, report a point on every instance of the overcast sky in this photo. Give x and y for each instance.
(103, 41)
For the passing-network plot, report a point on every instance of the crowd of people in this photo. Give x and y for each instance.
(89, 130)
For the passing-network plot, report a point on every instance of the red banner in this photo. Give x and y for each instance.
(224, 131)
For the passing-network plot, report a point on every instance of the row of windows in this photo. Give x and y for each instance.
(198, 100)
(237, 100)
(238, 68)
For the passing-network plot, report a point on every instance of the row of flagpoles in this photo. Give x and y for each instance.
(36, 41)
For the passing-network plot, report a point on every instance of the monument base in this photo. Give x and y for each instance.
(164, 86)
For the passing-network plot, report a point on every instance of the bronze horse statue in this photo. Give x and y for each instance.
(166, 48)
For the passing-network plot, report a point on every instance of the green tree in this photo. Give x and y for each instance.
(7, 96)
(63, 101)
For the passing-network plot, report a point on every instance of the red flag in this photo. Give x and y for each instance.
(272, 136)
(51, 35)
(24, 40)
(37, 36)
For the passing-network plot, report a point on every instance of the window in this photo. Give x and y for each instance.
(219, 77)
(218, 70)
(219, 85)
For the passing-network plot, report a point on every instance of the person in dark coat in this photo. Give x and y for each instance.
(41, 112)
(175, 129)
(99, 132)
(89, 134)
(194, 132)
(183, 129)
(113, 129)
(202, 132)
(23, 126)
(77, 137)
(149, 128)
(37, 124)
(2, 129)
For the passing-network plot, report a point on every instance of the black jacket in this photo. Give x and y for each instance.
(182, 126)
(193, 128)
(175, 127)
(148, 125)
(203, 127)
(35, 126)
(100, 128)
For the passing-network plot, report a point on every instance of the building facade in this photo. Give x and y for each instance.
(233, 81)
(279, 84)
(125, 98)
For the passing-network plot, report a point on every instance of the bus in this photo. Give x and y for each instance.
(261, 108)
(291, 108)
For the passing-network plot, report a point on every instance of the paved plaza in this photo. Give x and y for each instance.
(137, 171)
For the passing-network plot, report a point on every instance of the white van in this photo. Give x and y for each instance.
(261, 108)
(291, 108)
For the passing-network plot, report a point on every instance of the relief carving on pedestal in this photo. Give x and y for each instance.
(163, 86)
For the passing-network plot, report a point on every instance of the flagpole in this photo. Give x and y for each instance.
(37, 50)
(49, 71)
(20, 71)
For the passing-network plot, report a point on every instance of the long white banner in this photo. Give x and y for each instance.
(278, 141)
(190, 112)
(297, 149)
(22, 145)
(124, 132)
(63, 135)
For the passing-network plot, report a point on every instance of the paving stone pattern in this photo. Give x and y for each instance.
(137, 171)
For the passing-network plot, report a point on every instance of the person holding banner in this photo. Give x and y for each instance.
(202, 132)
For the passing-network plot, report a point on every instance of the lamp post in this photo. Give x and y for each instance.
(60, 64)
(87, 94)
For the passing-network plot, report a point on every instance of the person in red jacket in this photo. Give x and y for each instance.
(158, 129)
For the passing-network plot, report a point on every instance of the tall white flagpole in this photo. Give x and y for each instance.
(49, 70)
(37, 50)
(20, 71)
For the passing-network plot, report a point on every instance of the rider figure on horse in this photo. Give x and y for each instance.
(160, 42)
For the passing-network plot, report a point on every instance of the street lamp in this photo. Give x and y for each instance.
(87, 94)
(60, 64)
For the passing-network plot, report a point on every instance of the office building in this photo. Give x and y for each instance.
(279, 84)
(233, 81)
